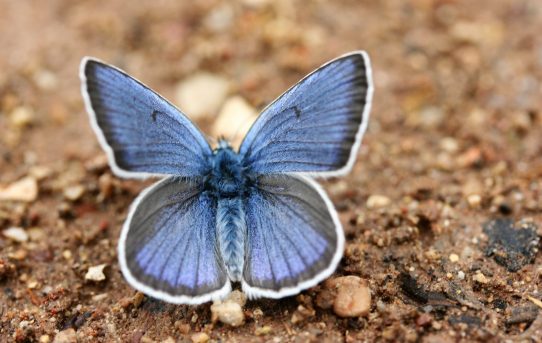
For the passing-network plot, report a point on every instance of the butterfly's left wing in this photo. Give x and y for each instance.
(168, 247)
(295, 239)
(142, 133)
(316, 126)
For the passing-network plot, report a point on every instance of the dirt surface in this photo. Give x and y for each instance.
(454, 143)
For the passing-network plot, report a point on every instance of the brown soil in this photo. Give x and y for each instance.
(454, 142)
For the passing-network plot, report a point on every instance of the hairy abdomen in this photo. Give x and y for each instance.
(231, 234)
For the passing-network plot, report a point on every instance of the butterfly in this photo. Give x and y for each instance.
(254, 216)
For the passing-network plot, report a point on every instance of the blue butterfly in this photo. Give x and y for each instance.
(253, 216)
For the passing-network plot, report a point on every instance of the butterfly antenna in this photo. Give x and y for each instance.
(212, 140)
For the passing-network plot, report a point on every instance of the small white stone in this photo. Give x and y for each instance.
(449, 144)
(74, 193)
(201, 94)
(228, 312)
(234, 120)
(378, 201)
(200, 337)
(26, 190)
(22, 116)
(16, 234)
(474, 200)
(454, 258)
(461, 275)
(96, 273)
(45, 80)
(99, 297)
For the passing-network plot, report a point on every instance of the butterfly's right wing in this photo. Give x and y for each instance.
(168, 246)
(142, 133)
(294, 236)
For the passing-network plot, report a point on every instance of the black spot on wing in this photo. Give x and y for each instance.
(154, 114)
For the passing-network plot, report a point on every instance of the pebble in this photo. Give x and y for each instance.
(301, 314)
(474, 200)
(234, 120)
(66, 336)
(16, 234)
(454, 258)
(22, 117)
(96, 273)
(200, 337)
(262, 331)
(481, 278)
(45, 79)
(228, 312)
(99, 297)
(461, 275)
(45, 339)
(201, 94)
(378, 201)
(25, 190)
(353, 296)
(74, 193)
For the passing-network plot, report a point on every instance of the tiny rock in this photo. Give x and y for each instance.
(200, 337)
(474, 200)
(228, 312)
(234, 120)
(262, 331)
(454, 258)
(16, 234)
(353, 296)
(45, 79)
(201, 94)
(74, 193)
(96, 273)
(25, 190)
(22, 117)
(66, 336)
(301, 314)
(481, 278)
(378, 201)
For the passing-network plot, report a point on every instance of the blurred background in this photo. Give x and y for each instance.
(454, 141)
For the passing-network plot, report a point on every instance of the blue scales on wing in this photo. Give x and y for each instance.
(142, 132)
(169, 246)
(315, 126)
(295, 239)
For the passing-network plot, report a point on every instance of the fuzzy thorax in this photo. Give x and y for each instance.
(227, 182)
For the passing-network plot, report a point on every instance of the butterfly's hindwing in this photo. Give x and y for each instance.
(168, 246)
(295, 239)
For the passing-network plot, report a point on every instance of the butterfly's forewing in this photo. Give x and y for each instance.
(168, 243)
(141, 132)
(295, 239)
(316, 126)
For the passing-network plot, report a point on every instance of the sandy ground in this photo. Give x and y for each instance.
(441, 210)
